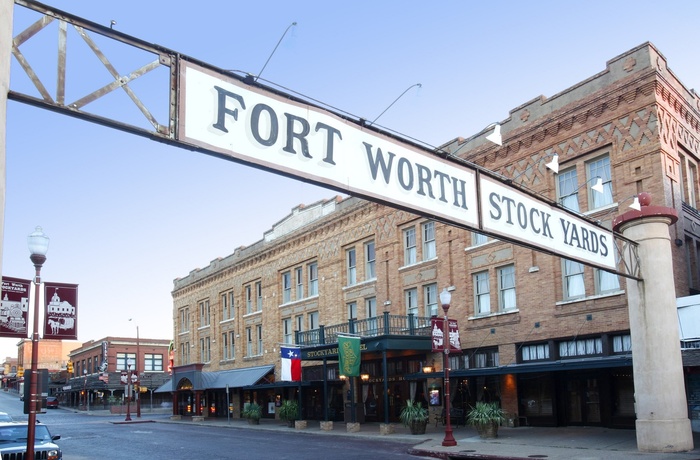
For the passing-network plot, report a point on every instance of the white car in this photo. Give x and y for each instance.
(13, 441)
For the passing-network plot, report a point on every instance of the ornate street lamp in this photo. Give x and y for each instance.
(128, 391)
(38, 244)
(445, 298)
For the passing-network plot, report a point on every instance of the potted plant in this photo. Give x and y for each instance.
(486, 417)
(414, 416)
(289, 411)
(252, 412)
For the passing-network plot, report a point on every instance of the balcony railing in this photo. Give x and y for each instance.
(370, 327)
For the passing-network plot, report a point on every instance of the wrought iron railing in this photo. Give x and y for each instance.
(370, 327)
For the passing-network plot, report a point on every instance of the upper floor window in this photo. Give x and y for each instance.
(370, 269)
(482, 293)
(153, 362)
(227, 306)
(411, 299)
(573, 279)
(485, 358)
(567, 188)
(259, 331)
(299, 320)
(249, 299)
(581, 347)
(535, 352)
(351, 258)
(249, 341)
(478, 238)
(313, 321)
(688, 180)
(204, 313)
(287, 332)
(352, 310)
(184, 319)
(506, 287)
(409, 246)
(205, 349)
(606, 281)
(600, 167)
(429, 247)
(124, 359)
(622, 343)
(299, 282)
(313, 278)
(228, 341)
(430, 297)
(286, 287)
(258, 295)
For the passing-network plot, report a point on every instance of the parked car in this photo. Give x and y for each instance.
(52, 402)
(13, 441)
(5, 417)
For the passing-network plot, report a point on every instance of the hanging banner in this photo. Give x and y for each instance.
(61, 312)
(14, 307)
(349, 356)
(437, 326)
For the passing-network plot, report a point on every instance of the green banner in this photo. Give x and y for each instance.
(349, 356)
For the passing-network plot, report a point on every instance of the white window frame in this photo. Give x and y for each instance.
(370, 261)
(286, 287)
(600, 167)
(351, 264)
(567, 189)
(287, 331)
(429, 243)
(482, 293)
(312, 270)
(507, 299)
(299, 281)
(574, 280)
(352, 310)
(409, 246)
(430, 299)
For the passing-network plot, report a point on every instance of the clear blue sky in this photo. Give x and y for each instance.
(126, 216)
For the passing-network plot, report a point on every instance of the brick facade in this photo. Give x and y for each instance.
(634, 114)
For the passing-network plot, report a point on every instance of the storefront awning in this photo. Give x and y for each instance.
(167, 387)
(235, 378)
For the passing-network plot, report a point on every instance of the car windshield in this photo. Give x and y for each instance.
(19, 434)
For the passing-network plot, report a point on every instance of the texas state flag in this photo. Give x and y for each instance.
(291, 364)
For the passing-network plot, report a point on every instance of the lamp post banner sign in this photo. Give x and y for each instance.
(437, 328)
(349, 356)
(14, 307)
(61, 311)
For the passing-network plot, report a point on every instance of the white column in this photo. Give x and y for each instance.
(661, 406)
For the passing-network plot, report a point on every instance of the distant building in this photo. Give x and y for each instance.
(98, 366)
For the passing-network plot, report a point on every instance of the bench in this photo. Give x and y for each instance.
(456, 417)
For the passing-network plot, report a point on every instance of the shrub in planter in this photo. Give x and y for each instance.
(289, 411)
(414, 416)
(486, 417)
(252, 412)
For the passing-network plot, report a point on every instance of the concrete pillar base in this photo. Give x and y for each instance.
(664, 435)
(176, 417)
(300, 424)
(327, 426)
(386, 428)
(352, 427)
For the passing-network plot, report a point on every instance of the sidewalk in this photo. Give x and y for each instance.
(567, 443)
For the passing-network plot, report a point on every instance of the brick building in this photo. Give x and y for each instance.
(98, 366)
(547, 338)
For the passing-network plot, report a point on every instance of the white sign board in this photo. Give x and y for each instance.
(516, 215)
(221, 114)
(224, 115)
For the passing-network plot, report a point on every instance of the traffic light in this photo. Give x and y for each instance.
(69, 367)
(20, 371)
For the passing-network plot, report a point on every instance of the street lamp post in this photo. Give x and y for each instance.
(38, 244)
(128, 392)
(445, 298)
(138, 369)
